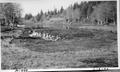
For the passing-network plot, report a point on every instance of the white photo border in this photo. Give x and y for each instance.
(78, 69)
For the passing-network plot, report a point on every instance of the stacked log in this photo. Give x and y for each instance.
(45, 36)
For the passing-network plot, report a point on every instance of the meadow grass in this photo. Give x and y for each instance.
(80, 48)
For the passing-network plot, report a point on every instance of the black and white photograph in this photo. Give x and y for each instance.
(59, 34)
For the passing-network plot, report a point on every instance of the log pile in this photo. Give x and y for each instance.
(45, 36)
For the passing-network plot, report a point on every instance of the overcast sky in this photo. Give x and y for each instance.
(35, 6)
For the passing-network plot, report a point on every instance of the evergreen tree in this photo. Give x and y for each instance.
(28, 16)
(76, 5)
(55, 11)
(39, 16)
(61, 10)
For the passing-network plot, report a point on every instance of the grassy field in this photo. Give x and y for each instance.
(84, 47)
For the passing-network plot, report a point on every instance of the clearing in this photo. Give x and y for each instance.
(82, 48)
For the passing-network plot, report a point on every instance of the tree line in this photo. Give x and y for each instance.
(41, 16)
(94, 12)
